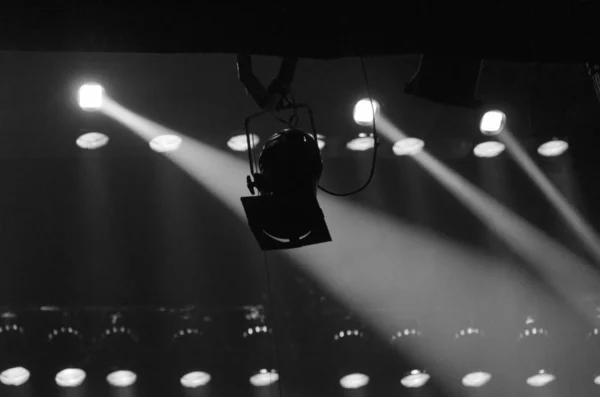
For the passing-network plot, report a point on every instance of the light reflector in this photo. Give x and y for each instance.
(15, 376)
(91, 96)
(70, 377)
(354, 381)
(364, 110)
(492, 122)
(552, 148)
(488, 149)
(408, 146)
(165, 143)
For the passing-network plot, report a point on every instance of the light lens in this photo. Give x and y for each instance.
(552, 148)
(354, 381)
(320, 141)
(165, 143)
(239, 143)
(264, 378)
(408, 147)
(195, 379)
(542, 378)
(492, 122)
(92, 140)
(123, 378)
(488, 149)
(91, 96)
(364, 111)
(415, 379)
(70, 377)
(362, 143)
(476, 379)
(14, 376)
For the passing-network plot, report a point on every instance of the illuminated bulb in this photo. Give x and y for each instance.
(91, 96)
(488, 149)
(239, 143)
(14, 376)
(123, 378)
(476, 379)
(70, 377)
(165, 143)
(364, 111)
(552, 148)
(195, 379)
(354, 381)
(92, 140)
(264, 378)
(408, 147)
(415, 379)
(542, 378)
(492, 122)
(320, 141)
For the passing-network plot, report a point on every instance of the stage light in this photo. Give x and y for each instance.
(264, 377)
(415, 379)
(471, 346)
(476, 379)
(195, 379)
(408, 146)
(492, 122)
(165, 143)
(552, 148)
(70, 377)
(364, 110)
(121, 378)
(354, 381)
(321, 141)
(411, 376)
(91, 96)
(361, 143)
(15, 376)
(66, 354)
(535, 349)
(488, 149)
(14, 352)
(286, 213)
(239, 143)
(92, 140)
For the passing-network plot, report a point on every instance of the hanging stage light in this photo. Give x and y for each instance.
(535, 352)
(66, 355)
(471, 348)
(411, 374)
(352, 354)
(14, 352)
(259, 365)
(117, 353)
(285, 214)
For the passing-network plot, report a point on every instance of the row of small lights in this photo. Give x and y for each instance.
(365, 110)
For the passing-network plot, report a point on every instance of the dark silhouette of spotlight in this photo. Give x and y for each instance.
(14, 352)
(117, 353)
(286, 213)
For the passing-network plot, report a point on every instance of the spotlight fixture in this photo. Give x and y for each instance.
(471, 347)
(239, 143)
(352, 354)
(165, 143)
(592, 369)
(257, 344)
(411, 374)
(535, 349)
(488, 149)
(354, 381)
(117, 352)
(492, 122)
(365, 111)
(552, 148)
(92, 140)
(14, 352)
(408, 146)
(361, 143)
(66, 353)
(91, 96)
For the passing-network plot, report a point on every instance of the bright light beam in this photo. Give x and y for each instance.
(374, 262)
(565, 272)
(570, 215)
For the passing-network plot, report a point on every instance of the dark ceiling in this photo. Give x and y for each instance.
(501, 29)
